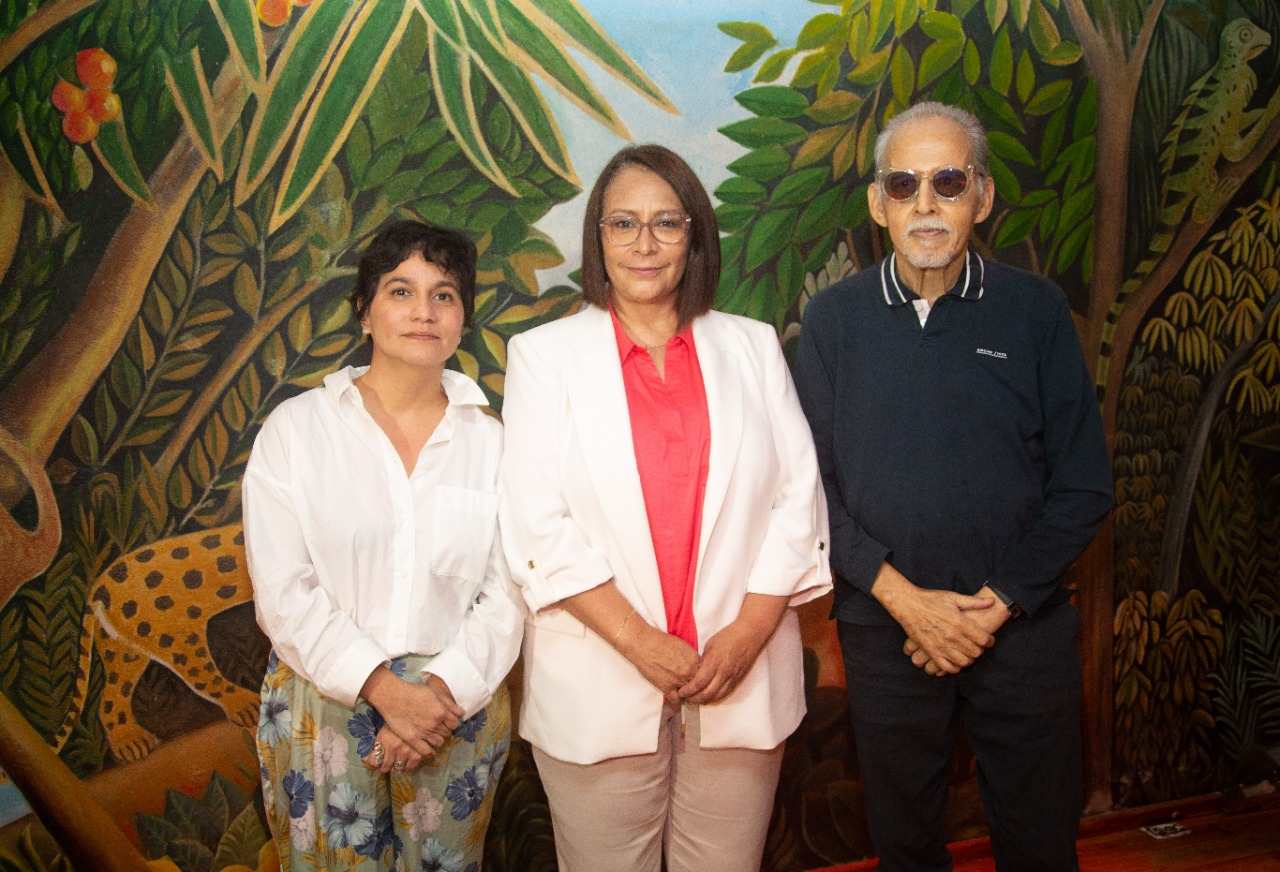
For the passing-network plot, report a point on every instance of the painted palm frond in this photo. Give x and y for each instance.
(329, 63)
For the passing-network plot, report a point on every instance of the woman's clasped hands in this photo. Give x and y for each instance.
(418, 719)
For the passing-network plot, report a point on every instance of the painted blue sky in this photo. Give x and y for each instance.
(680, 47)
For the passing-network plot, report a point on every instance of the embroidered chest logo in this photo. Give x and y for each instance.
(998, 355)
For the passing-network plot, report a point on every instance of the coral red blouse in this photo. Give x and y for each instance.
(671, 432)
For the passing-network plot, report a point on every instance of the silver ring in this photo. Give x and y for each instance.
(377, 753)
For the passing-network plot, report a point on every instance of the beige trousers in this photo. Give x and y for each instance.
(708, 809)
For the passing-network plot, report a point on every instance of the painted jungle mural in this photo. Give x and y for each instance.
(184, 189)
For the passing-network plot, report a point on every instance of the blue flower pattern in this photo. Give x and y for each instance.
(437, 858)
(471, 727)
(350, 817)
(300, 791)
(364, 727)
(466, 793)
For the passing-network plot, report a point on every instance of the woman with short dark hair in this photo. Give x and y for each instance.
(370, 515)
(662, 512)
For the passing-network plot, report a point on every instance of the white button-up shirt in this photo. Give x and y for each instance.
(354, 562)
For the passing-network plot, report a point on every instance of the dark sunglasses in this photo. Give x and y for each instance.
(902, 186)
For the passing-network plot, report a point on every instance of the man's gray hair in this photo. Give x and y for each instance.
(968, 122)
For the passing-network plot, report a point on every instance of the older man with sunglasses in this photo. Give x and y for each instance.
(965, 468)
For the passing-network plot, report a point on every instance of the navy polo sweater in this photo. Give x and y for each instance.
(965, 451)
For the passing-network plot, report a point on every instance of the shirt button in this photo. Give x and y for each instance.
(531, 564)
(822, 546)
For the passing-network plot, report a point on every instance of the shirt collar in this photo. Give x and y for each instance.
(460, 389)
(967, 287)
(625, 344)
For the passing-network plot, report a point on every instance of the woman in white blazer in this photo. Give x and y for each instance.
(663, 515)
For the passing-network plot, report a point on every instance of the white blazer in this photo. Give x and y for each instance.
(573, 517)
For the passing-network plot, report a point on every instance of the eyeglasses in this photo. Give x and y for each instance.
(668, 228)
(902, 186)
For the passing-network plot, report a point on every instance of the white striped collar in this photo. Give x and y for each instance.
(896, 294)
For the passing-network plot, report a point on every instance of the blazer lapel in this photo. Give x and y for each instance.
(598, 400)
(722, 373)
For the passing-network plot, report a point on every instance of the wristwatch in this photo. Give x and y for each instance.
(1014, 609)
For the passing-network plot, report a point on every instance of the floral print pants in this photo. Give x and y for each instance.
(327, 811)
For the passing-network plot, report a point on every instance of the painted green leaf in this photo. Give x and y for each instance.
(942, 26)
(835, 107)
(1049, 218)
(906, 16)
(820, 215)
(522, 100)
(1007, 185)
(972, 63)
(239, 23)
(1016, 227)
(818, 145)
(996, 11)
(881, 17)
(745, 55)
(774, 67)
(757, 132)
(739, 191)
(790, 280)
(1073, 246)
(113, 149)
(769, 235)
(760, 299)
(1000, 68)
(1021, 10)
(871, 69)
(568, 18)
(762, 164)
(902, 72)
(1026, 76)
(1075, 210)
(1038, 198)
(356, 71)
(733, 218)
(747, 31)
(1010, 148)
(995, 105)
(774, 101)
(445, 15)
(1049, 98)
(937, 59)
(1044, 31)
(1065, 54)
(190, 91)
(451, 75)
(298, 68)
(1086, 119)
(799, 187)
(554, 64)
(812, 69)
(819, 31)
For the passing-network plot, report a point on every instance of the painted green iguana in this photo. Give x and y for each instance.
(1214, 125)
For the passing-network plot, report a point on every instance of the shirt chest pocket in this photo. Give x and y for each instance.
(465, 520)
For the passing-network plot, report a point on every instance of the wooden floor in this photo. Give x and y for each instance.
(1224, 836)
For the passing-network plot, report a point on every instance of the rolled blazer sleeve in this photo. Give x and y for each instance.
(549, 554)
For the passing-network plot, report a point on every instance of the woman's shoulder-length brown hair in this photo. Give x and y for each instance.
(697, 291)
